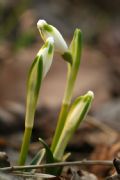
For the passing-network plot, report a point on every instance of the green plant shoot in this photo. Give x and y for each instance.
(75, 50)
(77, 113)
(70, 115)
(38, 71)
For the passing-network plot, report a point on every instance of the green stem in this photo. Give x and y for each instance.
(60, 124)
(64, 109)
(75, 50)
(25, 146)
(71, 77)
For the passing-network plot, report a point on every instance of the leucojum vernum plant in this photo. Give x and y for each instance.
(71, 115)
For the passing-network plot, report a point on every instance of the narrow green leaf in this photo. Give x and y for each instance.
(50, 159)
(49, 155)
(38, 157)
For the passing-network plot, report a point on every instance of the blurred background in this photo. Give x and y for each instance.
(20, 41)
(100, 64)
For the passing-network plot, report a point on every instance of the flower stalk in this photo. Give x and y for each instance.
(75, 50)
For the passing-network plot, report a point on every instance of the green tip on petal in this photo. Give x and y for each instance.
(50, 49)
(43, 24)
(48, 28)
(46, 52)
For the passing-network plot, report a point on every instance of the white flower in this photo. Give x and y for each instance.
(46, 52)
(46, 30)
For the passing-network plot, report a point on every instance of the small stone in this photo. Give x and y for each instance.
(4, 160)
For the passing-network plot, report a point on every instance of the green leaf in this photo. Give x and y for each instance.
(38, 157)
(49, 155)
(49, 159)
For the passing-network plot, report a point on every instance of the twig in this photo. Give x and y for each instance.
(79, 163)
(29, 174)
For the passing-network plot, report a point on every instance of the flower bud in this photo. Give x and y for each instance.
(47, 54)
(46, 30)
(77, 113)
(38, 71)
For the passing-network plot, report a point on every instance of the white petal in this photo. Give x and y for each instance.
(41, 22)
(47, 30)
(47, 56)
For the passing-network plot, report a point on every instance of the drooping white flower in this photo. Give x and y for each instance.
(46, 30)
